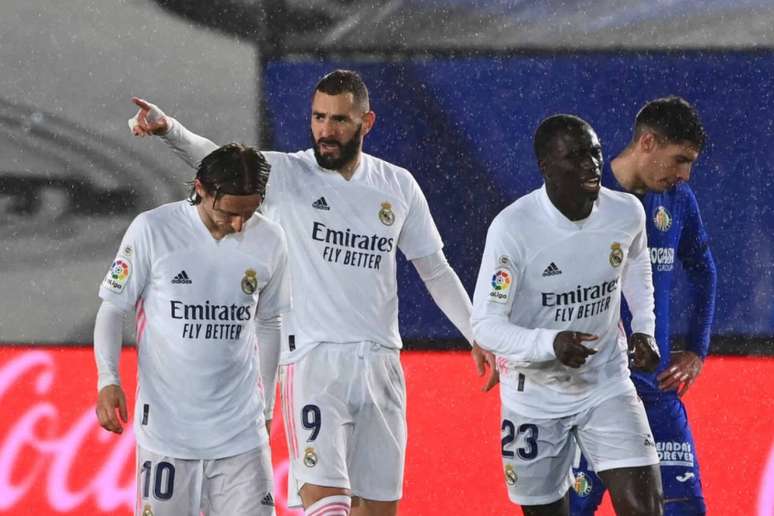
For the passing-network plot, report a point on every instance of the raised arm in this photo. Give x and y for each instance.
(151, 120)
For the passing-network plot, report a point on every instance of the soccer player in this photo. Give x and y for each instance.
(547, 303)
(207, 280)
(655, 166)
(345, 214)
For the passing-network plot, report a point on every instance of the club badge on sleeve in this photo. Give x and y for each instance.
(116, 278)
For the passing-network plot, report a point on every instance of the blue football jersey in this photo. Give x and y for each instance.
(675, 234)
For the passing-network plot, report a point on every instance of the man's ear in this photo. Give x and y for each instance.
(369, 119)
(647, 142)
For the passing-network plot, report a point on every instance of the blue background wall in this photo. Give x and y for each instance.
(464, 128)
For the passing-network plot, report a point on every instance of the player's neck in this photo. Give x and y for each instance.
(574, 208)
(348, 170)
(624, 168)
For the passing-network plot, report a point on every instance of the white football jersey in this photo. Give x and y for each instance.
(542, 273)
(343, 238)
(196, 298)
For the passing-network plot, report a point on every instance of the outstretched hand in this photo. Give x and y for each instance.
(149, 120)
(644, 352)
(110, 398)
(569, 349)
(683, 369)
(484, 359)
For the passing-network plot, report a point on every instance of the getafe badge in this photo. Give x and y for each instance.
(662, 219)
(310, 458)
(147, 511)
(386, 215)
(510, 475)
(249, 282)
(616, 254)
(582, 484)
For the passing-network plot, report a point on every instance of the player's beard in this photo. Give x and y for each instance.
(347, 152)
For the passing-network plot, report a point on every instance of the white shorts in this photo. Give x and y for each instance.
(538, 454)
(239, 485)
(344, 407)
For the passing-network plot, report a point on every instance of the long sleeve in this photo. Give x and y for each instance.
(107, 344)
(637, 286)
(269, 341)
(189, 146)
(699, 265)
(446, 290)
(496, 287)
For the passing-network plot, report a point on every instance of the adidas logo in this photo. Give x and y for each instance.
(181, 278)
(321, 204)
(551, 270)
(268, 500)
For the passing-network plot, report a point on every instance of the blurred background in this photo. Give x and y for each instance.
(458, 87)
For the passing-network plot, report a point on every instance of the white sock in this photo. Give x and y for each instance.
(338, 505)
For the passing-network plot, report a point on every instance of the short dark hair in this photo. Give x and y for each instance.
(551, 127)
(233, 169)
(345, 81)
(672, 118)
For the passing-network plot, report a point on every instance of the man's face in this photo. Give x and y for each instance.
(337, 129)
(573, 166)
(664, 165)
(228, 213)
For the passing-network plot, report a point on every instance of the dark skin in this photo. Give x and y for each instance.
(572, 169)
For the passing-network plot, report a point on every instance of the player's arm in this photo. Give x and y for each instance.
(107, 354)
(448, 293)
(637, 286)
(122, 286)
(496, 286)
(151, 120)
(268, 331)
(274, 300)
(695, 255)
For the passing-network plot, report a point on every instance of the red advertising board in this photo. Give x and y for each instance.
(54, 458)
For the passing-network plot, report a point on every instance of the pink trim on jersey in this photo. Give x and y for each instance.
(287, 411)
(333, 509)
(141, 320)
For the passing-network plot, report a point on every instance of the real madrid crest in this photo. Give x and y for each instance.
(662, 219)
(147, 511)
(616, 254)
(510, 475)
(310, 458)
(249, 282)
(582, 484)
(386, 215)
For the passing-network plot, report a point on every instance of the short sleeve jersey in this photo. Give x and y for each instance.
(343, 236)
(542, 271)
(199, 394)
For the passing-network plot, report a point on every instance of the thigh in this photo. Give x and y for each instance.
(615, 434)
(318, 424)
(167, 486)
(679, 467)
(537, 457)
(377, 453)
(240, 486)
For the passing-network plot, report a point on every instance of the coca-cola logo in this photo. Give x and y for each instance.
(54, 457)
